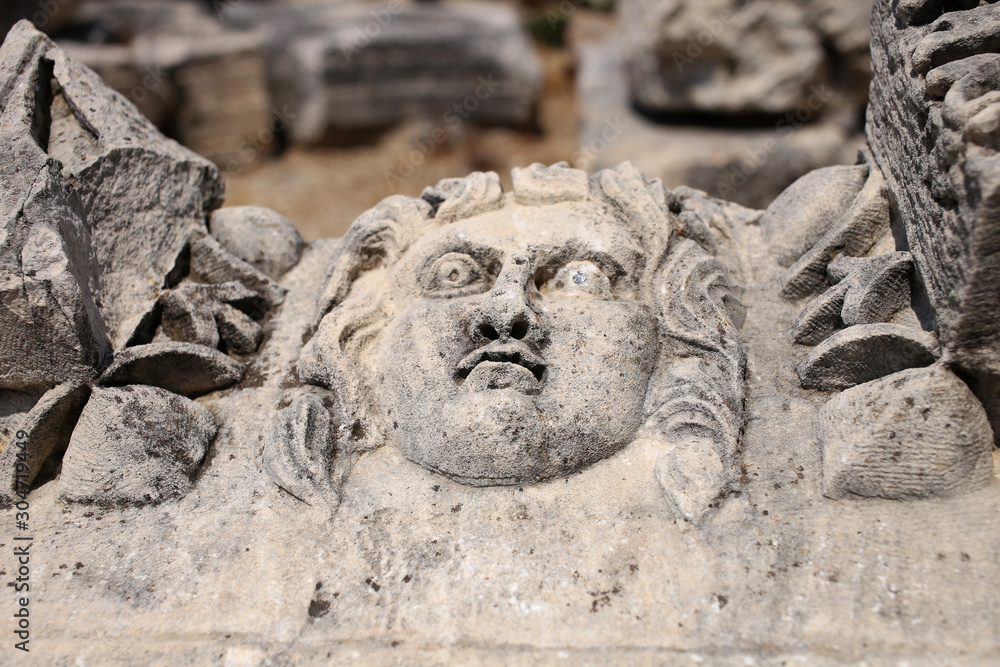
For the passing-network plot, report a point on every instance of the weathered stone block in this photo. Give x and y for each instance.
(915, 434)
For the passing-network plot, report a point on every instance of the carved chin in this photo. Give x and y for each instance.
(503, 437)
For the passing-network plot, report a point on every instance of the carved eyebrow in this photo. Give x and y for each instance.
(608, 262)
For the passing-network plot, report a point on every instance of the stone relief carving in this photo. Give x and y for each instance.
(489, 355)
(483, 334)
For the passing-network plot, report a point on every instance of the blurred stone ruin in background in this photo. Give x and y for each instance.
(735, 98)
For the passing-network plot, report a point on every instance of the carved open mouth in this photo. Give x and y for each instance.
(514, 352)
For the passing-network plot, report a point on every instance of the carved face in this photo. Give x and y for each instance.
(520, 351)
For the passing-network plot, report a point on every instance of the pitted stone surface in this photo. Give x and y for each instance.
(916, 433)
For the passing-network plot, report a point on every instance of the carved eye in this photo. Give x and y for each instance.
(578, 279)
(455, 274)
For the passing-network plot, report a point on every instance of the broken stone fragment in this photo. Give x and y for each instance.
(201, 314)
(46, 429)
(864, 353)
(135, 445)
(141, 195)
(808, 208)
(259, 236)
(212, 263)
(857, 230)
(298, 450)
(914, 434)
(183, 368)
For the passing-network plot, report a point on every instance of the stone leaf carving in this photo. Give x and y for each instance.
(914, 434)
(212, 263)
(854, 234)
(135, 445)
(183, 368)
(801, 215)
(204, 314)
(298, 450)
(864, 353)
(866, 291)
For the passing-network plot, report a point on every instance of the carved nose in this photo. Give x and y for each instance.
(505, 314)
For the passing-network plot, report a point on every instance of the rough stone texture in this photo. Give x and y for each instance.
(930, 127)
(112, 210)
(346, 67)
(866, 352)
(135, 444)
(183, 368)
(259, 236)
(807, 209)
(878, 288)
(298, 451)
(212, 263)
(204, 314)
(45, 430)
(854, 234)
(821, 317)
(917, 433)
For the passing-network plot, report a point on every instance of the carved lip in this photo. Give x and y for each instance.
(514, 352)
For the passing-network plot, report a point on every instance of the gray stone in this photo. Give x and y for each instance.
(298, 451)
(759, 57)
(204, 314)
(340, 69)
(821, 317)
(934, 138)
(914, 434)
(807, 209)
(259, 236)
(212, 263)
(100, 234)
(857, 230)
(135, 445)
(44, 431)
(183, 368)
(877, 289)
(866, 352)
